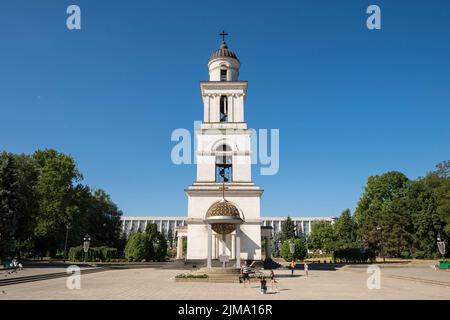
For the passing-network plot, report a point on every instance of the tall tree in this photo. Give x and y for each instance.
(395, 234)
(158, 242)
(345, 231)
(288, 229)
(379, 192)
(9, 199)
(27, 211)
(322, 236)
(105, 219)
(430, 199)
(55, 192)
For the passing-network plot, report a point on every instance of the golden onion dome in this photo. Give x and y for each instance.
(222, 208)
(226, 212)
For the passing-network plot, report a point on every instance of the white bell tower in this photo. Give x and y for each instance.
(224, 159)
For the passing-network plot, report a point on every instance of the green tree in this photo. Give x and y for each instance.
(396, 228)
(288, 229)
(27, 209)
(55, 192)
(300, 251)
(138, 247)
(9, 200)
(370, 213)
(345, 231)
(170, 238)
(322, 236)
(149, 245)
(430, 202)
(104, 219)
(49, 197)
(157, 241)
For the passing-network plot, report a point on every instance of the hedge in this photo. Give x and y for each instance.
(354, 255)
(99, 254)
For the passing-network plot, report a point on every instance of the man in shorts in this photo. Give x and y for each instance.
(245, 270)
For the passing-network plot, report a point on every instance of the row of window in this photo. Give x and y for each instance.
(139, 225)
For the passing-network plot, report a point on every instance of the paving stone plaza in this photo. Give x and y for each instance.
(410, 281)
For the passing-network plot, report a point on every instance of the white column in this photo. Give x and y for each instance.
(232, 108)
(213, 249)
(216, 239)
(238, 246)
(224, 244)
(179, 247)
(168, 226)
(309, 231)
(208, 264)
(233, 246)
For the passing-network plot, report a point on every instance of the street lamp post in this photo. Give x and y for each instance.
(441, 246)
(86, 244)
(381, 243)
(292, 249)
(65, 242)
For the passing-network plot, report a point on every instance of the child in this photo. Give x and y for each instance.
(305, 266)
(272, 279)
(292, 267)
(263, 285)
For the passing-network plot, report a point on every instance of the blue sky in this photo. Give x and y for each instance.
(349, 102)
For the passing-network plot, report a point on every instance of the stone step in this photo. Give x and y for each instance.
(231, 276)
(223, 281)
(232, 271)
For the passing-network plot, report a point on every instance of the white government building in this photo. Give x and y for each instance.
(223, 220)
(132, 224)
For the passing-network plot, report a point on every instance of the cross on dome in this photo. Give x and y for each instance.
(223, 34)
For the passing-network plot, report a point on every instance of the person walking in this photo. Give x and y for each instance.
(245, 270)
(263, 285)
(273, 282)
(305, 266)
(292, 267)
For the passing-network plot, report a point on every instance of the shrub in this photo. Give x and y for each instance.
(318, 255)
(138, 247)
(100, 254)
(300, 250)
(107, 254)
(405, 255)
(150, 245)
(419, 254)
(354, 255)
(76, 253)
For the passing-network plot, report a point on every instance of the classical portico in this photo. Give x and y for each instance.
(223, 202)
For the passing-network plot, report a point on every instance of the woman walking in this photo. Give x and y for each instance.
(273, 282)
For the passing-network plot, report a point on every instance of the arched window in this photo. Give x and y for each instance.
(224, 164)
(223, 109)
(223, 74)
